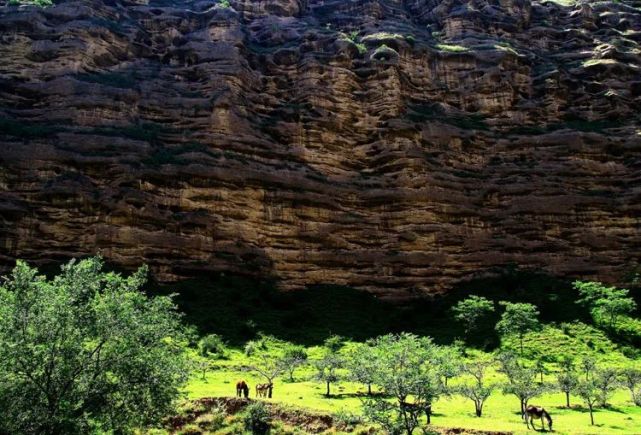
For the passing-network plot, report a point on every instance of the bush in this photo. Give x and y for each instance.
(257, 419)
(213, 420)
(212, 345)
(190, 429)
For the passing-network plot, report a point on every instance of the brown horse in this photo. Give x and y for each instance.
(242, 389)
(532, 412)
(263, 389)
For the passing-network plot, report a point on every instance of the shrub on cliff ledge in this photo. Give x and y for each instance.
(85, 352)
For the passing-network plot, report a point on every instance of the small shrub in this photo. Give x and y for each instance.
(257, 419)
(190, 429)
(212, 345)
(213, 420)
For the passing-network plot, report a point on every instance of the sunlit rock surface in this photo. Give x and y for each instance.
(393, 146)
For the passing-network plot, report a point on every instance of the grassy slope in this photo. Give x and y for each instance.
(239, 308)
(501, 411)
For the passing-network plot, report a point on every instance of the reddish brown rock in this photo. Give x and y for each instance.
(393, 146)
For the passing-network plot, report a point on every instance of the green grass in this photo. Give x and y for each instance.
(453, 48)
(500, 412)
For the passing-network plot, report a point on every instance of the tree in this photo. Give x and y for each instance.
(521, 381)
(588, 364)
(605, 303)
(567, 379)
(448, 363)
(631, 379)
(362, 364)
(470, 311)
(589, 393)
(406, 373)
(605, 381)
(477, 391)
(269, 367)
(212, 345)
(327, 369)
(295, 356)
(540, 368)
(518, 319)
(86, 350)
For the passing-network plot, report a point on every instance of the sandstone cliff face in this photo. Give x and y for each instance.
(396, 146)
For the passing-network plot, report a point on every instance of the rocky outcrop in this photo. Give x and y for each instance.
(394, 146)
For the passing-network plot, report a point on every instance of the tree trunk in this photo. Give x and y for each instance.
(446, 381)
(541, 377)
(369, 389)
(269, 393)
(567, 399)
(327, 393)
(521, 339)
(429, 417)
(591, 416)
(522, 406)
(479, 409)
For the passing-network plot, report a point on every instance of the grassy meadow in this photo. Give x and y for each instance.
(241, 310)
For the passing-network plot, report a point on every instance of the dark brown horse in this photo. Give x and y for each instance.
(242, 389)
(532, 412)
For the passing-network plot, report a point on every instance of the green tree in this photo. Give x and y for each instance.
(479, 390)
(294, 357)
(521, 380)
(606, 304)
(588, 364)
(86, 351)
(448, 362)
(212, 346)
(327, 369)
(269, 366)
(406, 373)
(590, 395)
(470, 311)
(631, 379)
(518, 319)
(362, 364)
(567, 379)
(605, 381)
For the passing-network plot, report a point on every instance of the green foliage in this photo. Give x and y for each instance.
(605, 382)
(361, 364)
(471, 310)
(334, 343)
(631, 379)
(225, 4)
(86, 350)
(521, 380)
(41, 3)
(478, 391)
(567, 379)
(518, 319)
(327, 368)
(212, 345)
(257, 418)
(404, 369)
(606, 304)
(588, 391)
(294, 357)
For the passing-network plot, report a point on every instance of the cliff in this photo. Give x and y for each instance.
(396, 146)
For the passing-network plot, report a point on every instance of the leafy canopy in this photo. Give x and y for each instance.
(86, 351)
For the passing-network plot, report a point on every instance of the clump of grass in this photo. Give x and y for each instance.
(41, 3)
(452, 48)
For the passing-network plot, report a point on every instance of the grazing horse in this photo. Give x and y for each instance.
(532, 412)
(263, 389)
(242, 389)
